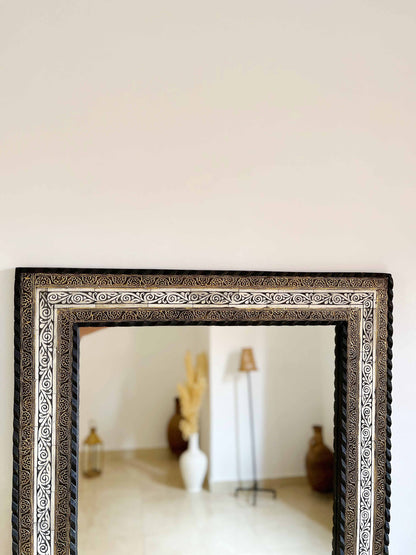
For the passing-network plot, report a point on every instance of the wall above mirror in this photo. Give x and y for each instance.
(52, 304)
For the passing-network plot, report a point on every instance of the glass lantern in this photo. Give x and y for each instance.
(93, 454)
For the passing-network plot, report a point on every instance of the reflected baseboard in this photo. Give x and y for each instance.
(150, 453)
(274, 483)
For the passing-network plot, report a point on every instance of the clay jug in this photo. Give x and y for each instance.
(319, 463)
(176, 442)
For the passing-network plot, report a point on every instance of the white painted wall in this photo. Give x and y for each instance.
(225, 135)
(289, 396)
(128, 382)
(298, 393)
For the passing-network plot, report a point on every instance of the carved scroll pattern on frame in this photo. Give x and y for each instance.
(54, 292)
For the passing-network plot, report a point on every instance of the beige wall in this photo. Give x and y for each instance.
(243, 135)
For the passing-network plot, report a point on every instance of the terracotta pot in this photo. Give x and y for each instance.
(319, 463)
(176, 442)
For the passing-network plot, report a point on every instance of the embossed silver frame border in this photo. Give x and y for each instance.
(50, 304)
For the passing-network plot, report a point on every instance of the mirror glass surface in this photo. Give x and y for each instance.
(254, 425)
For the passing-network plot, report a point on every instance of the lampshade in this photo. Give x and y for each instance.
(247, 363)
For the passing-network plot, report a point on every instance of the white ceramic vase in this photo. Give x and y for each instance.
(193, 464)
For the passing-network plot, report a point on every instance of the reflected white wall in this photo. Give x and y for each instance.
(128, 381)
(293, 389)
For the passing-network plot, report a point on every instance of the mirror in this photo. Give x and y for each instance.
(52, 305)
(128, 385)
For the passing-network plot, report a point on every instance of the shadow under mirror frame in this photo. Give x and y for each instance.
(50, 306)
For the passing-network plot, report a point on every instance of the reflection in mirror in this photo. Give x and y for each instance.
(255, 424)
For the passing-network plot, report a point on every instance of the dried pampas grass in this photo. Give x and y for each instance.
(191, 393)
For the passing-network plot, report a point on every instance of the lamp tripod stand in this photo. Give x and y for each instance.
(248, 365)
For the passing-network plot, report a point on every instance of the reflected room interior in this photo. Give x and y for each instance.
(265, 420)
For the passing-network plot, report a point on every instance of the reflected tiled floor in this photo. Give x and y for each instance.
(139, 507)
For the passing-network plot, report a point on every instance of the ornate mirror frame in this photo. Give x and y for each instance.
(51, 304)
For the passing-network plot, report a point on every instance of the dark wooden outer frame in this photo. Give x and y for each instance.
(204, 304)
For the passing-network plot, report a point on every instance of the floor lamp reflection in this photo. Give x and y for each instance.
(248, 365)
